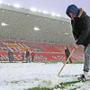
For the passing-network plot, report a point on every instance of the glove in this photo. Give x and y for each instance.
(75, 46)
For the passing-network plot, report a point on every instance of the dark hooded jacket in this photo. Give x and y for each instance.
(67, 52)
(81, 28)
(27, 53)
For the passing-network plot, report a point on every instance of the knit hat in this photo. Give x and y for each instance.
(73, 9)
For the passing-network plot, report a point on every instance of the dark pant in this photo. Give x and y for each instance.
(32, 59)
(28, 59)
(11, 59)
(69, 59)
(87, 58)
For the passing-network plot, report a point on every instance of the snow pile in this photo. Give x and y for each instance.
(19, 76)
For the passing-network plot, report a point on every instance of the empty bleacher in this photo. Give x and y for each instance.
(44, 51)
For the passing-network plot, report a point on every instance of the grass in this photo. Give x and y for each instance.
(46, 62)
(61, 86)
(40, 89)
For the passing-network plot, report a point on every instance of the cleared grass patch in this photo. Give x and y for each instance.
(46, 61)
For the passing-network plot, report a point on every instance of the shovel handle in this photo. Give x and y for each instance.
(66, 61)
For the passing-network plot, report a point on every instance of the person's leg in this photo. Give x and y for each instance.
(84, 76)
(10, 59)
(23, 58)
(27, 59)
(70, 60)
(87, 60)
(32, 59)
(66, 59)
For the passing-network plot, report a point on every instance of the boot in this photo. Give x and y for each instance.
(82, 78)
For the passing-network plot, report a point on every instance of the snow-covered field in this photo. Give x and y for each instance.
(22, 76)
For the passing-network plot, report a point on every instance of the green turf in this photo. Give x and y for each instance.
(39, 89)
(61, 86)
(46, 62)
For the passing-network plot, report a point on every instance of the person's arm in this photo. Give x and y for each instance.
(84, 32)
(73, 30)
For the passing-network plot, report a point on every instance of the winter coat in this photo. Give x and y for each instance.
(81, 28)
(27, 54)
(10, 54)
(67, 52)
(32, 54)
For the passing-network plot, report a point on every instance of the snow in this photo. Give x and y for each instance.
(20, 76)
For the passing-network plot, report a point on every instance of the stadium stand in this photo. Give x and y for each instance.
(17, 33)
(44, 51)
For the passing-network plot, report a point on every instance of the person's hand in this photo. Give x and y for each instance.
(75, 46)
(76, 40)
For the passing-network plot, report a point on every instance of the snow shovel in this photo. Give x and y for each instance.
(66, 61)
